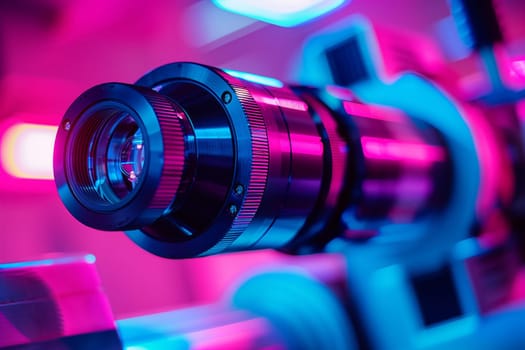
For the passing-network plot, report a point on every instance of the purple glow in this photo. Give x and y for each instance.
(388, 149)
(405, 187)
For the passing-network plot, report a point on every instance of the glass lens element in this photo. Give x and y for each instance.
(130, 156)
(116, 157)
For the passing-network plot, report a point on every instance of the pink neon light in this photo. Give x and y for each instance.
(281, 102)
(374, 112)
(512, 68)
(518, 67)
(379, 148)
(27, 151)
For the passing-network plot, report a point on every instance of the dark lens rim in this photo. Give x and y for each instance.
(133, 210)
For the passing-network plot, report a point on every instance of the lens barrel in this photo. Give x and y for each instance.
(194, 161)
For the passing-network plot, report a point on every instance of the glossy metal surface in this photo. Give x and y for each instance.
(277, 158)
(263, 166)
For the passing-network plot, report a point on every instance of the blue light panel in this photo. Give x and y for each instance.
(254, 78)
(284, 13)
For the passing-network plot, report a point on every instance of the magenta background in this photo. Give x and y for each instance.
(55, 49)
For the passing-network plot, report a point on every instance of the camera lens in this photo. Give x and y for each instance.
(194, 160)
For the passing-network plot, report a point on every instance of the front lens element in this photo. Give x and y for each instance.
(115, 156)
(123, 156)
(122, 160)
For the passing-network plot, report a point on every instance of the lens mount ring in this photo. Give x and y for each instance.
(83, 164)
(246, 122)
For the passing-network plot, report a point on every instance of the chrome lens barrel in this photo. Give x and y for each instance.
(194, 160)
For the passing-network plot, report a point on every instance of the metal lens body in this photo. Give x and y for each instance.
(195, 161)
(257, 169)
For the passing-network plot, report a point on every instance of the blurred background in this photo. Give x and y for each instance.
(53, 50)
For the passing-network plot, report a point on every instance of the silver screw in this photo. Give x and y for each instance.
(239, 189)
(233, 210)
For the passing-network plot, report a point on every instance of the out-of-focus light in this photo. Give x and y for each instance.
(378, 148)
(511, 68)
(374, 112)
(26, 151)
(518, 67)
(254, 78)
(285, 13)
(450, 39)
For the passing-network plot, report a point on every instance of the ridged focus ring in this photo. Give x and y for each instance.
(170, 117)
(259, 168)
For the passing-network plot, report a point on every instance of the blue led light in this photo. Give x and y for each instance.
(254, 78)
(58, 260)
(90, 258)
(284, 13)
